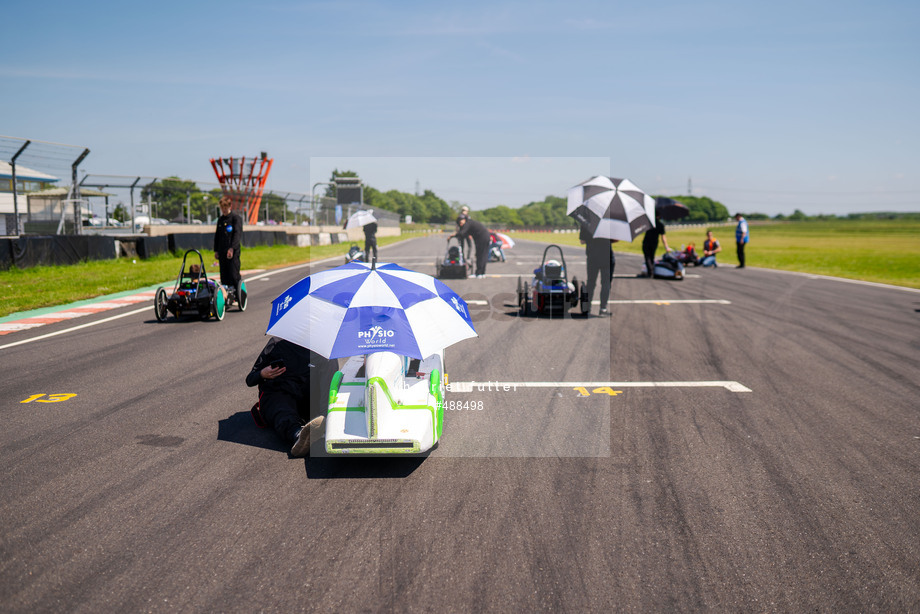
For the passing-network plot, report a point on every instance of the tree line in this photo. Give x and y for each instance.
(429, 208)
(799, 216)
(172, 197)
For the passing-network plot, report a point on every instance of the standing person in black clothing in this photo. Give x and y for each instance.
(601, 261)
(650, 245)
(291, 381)
(227, 240)
(467, 245)
(481, 237)
(370, 239)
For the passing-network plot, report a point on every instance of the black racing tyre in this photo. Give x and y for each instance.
(524, 300)
(159, 304)
(219, 303)
(242, 299)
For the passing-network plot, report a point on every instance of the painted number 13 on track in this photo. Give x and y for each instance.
(52, 398)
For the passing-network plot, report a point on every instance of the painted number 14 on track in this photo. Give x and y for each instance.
(583, 392)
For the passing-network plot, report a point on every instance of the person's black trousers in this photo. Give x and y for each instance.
(740, 245)
(649, 254)
(230, 270)
(482, 256)
(279, 409)
(370, 243)
(604, 267)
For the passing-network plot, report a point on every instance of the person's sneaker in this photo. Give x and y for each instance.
(603, 313)
(307, 434)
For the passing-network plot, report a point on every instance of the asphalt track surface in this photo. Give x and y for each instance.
(758, 449)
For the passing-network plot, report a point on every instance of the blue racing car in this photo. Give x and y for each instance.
(550, 292)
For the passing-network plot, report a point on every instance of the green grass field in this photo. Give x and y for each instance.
(26, 289)
(883, 251)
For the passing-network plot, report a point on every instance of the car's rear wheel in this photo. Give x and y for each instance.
(159, 305)
(524, 300)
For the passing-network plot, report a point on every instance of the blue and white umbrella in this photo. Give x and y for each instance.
(360, 308)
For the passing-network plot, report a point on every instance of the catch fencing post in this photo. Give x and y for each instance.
(77, 207)
(16, 200)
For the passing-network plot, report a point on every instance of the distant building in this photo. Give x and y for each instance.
(27, 180)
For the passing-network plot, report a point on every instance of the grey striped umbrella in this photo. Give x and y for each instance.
(611, 208)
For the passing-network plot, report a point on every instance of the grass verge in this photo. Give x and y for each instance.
(882, 251)
(37, 287)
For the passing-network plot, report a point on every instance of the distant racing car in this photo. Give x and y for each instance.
(196, 294)
(550, 293)
(355, 254)
(669, 266)
(455, 264)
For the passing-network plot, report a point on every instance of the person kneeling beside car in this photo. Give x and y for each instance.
(711, 247)
(291, 381)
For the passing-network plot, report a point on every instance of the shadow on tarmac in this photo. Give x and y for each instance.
(240, 428)
(328, 468)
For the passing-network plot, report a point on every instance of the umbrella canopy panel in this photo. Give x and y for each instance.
(611, 208)
(359, 309)
(669, 209)
(360, 218)
(507, 242)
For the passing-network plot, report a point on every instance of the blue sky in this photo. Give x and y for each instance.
(765, 107)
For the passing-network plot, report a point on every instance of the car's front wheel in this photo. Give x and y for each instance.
(242, 299)
(159, 304)
(219, 303)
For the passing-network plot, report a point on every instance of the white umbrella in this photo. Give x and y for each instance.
(507, 242)
(611, 208)
(360, 308)
(360, 218)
